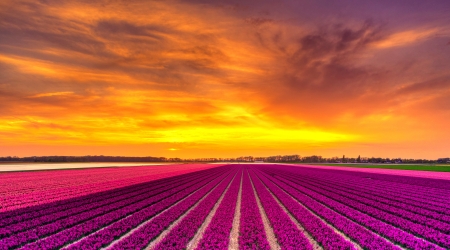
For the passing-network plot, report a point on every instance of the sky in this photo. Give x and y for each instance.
(225, 78)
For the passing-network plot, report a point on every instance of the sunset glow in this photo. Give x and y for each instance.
(225, 79)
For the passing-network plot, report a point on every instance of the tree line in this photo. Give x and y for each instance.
(277, 158)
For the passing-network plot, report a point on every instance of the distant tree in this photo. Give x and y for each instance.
(358, 159)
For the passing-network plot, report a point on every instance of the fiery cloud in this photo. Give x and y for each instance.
(206, 78)
(406, 38)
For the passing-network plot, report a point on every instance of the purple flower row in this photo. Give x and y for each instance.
(181, 234)
(424, 183)
(251, 228)
(406, 194)
(141, 237)
(385, 225)
(98, 222)
(387, 205)
(95, 203)
(59, 206)
(390, 232)
(21, 214)
(24, 189)
(86, 218)
(318, 229)
(428, 233)
(364, 190)
(375, 211)
(361, 235)
(421, 187)
(217, 234)
(108, 234)
(432, 196)
(286, 232)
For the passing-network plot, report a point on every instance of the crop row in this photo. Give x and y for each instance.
(74, 203)
(251, 230)
(149, 231)
(287, 233)
(19, 190)
(28, 213)
(217, 233)
(181, 234)
(411, 211)
(388, 214)
(108, 234)
(423, 183)
(430, 198)
(435, 210)
(65, 230)
(401, 231)
(289, 207)
(69, 210)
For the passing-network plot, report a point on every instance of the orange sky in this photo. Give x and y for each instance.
(213, 79)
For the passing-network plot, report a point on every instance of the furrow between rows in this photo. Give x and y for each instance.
(233, 242)
(179, 236)
(380, 227)
(217, 233)
(289, 233)
(108, 234)
(267, 225)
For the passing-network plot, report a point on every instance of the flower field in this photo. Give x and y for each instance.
(23, 189)
(251, 206)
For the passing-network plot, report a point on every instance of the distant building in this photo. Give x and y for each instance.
(443, 160)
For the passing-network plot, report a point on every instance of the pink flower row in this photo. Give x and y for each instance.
(24, 189)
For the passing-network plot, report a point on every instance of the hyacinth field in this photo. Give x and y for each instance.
(252, 206)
